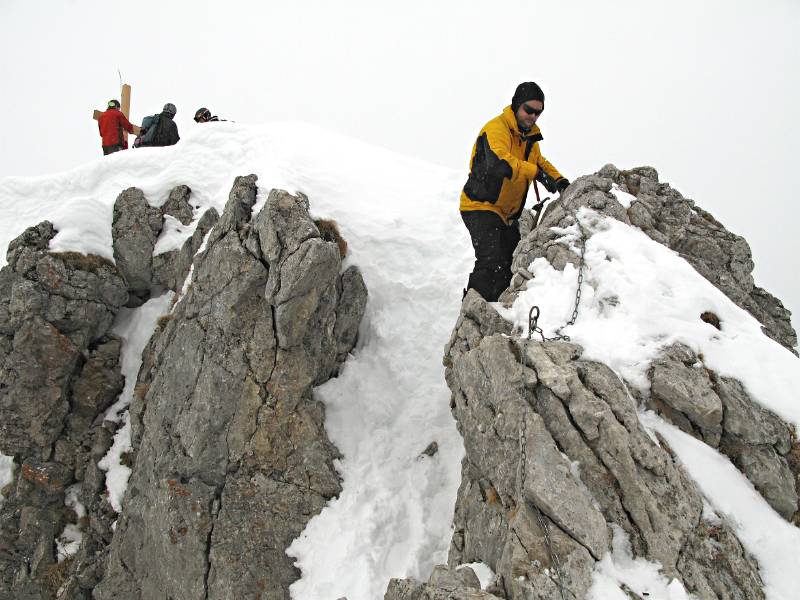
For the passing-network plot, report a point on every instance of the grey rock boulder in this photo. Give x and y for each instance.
(171, 268)
(135, 228)
(177, 204)
(231, 456)
(349, 312)
(53, 308)
(59, 370)
(555, 451)
(719, 411)
(444, 584)
(681, 388)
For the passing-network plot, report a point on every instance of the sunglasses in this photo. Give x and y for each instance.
(199, 119)
(532, 111)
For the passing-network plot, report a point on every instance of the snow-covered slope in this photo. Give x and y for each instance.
(639, 297)
(400, 218)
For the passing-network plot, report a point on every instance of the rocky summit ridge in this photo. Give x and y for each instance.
(229, 456)
(229, 453)
(529, 411)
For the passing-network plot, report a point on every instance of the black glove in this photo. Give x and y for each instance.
(548, 182)
(562, 184)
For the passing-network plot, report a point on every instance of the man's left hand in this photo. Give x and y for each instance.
(562, 184)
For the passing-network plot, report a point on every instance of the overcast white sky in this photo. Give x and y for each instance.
(705, 91)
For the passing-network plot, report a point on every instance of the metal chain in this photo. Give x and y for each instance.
(533, 327)
(523, 471)
(533, 319)
(553, 556)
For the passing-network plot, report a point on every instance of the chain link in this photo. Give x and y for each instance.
(533, 320)
(523, 471)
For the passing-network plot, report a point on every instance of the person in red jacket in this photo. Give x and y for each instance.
(111, 124)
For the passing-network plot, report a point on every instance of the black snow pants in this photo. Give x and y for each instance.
(494, 243)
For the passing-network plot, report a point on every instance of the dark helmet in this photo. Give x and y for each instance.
(202, 115)
(113, 104)
(170, 109)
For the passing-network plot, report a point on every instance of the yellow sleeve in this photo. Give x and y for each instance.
(500, 143)
(548, 168)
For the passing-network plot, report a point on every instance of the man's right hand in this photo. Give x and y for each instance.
(547, 181)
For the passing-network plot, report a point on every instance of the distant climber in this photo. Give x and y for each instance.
(160, 129)
(505, 160)
(111, 124)
(203, 115)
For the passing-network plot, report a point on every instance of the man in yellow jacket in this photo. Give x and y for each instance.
(505, 160)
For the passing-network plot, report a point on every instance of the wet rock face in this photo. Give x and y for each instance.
(555, 450)
(660, 211)
(59, 370)
(231, 456)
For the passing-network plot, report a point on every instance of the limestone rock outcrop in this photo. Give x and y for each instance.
(59, 371)
(177, 204)
(719, 411)
(231, 457)
(662, 213)
(690, 397)
(555, 451)
(444, 584)
(557, 462)
(135, 229)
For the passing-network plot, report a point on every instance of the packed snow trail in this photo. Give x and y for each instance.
(400, 219)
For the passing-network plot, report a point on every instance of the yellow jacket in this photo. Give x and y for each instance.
(504, 162)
